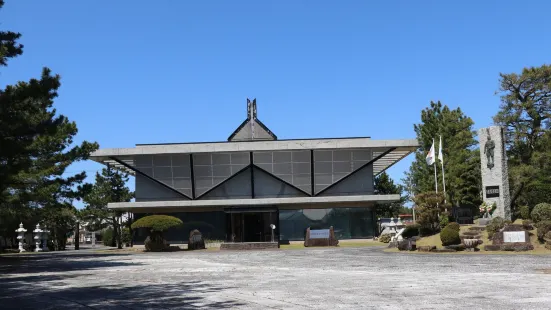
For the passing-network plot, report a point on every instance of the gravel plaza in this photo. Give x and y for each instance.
(336, 278)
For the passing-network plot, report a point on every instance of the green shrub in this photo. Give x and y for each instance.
(107, 236)
(155, 243)
(126, 238)
(157, 223)
(541, 212)
(547, 236)
(496, 224)
(411, 231)
(449, 236)
(527, 224)
(543, 228)
(454, 226)
(444, 221)
(385, 238)
(425, 231)
(524, 212)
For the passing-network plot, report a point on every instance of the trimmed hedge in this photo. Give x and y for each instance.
(384, 238)
(454, 226)
(527, 224)
(524, 212)
(449, 236)
(411, 231)
(543, 228)
(541, 212)
(158, 223)
(496, 225)
(444, 221)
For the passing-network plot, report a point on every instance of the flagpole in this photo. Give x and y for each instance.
(443, 173)
(435, 178)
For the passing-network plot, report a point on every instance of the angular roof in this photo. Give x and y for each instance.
(252, 129)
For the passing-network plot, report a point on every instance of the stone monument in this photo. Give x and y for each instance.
(196, 241)
(495, 177)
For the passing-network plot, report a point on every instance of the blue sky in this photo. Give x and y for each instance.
(180, 71)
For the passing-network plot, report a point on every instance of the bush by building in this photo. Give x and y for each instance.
(126, 238)
(454, 226)
(543, 228)
(527, 224)
(444, 221)
(449, 236)
(541, 212)
(156, 224)
(411, 231)
(385, 238)
(524, 212)
(496, 224)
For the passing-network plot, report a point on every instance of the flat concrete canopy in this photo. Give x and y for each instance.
(392, 151)
(360, 200)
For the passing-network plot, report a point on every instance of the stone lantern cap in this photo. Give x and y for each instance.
(37, 230)
(21, 229)
(392, 223)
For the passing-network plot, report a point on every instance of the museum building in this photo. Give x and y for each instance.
(234, 190)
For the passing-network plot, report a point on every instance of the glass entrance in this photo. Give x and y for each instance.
(251, 226)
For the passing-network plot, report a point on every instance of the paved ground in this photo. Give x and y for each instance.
(344, 278)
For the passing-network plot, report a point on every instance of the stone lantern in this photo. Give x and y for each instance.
(46, 234)
(392, 227)
(21, 236)
(37, 238)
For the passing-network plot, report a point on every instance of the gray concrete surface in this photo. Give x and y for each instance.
(343, 278)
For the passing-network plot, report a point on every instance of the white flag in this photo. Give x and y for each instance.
(440, 156)
(431, 156)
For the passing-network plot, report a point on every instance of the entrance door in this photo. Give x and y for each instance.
(251, 226)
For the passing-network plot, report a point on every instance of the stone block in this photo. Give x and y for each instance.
(196, 241)
(426, 248)
(249, 246)
(331, 241)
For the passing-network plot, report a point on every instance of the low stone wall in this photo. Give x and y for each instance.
(249, 246)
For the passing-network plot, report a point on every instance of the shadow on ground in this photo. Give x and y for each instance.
(48, 288)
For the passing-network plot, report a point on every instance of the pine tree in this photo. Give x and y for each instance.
(384, 185)
(461, 157)
(525, 112)
(36, 147)
(9, 47)
(110, 186)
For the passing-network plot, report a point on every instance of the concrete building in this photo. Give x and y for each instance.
(234, 190)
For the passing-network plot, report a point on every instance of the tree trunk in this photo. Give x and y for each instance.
(113, 241)
(77, 238)
(119, 235)
(131, 220)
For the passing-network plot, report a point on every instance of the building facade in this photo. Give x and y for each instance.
(233, 191)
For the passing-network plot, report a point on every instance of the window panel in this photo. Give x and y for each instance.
(220, 159)
(181, 172)
(162, 160)
(301, 156)
(221, 170)
(342, 155)
(143, 161)
(301, 168)
(180, 160)
(323, 156)
(262, 158)
(201, 159)
(163, 172)
(202, 171)
(342, 167)
(282, 157)
(282, 168)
